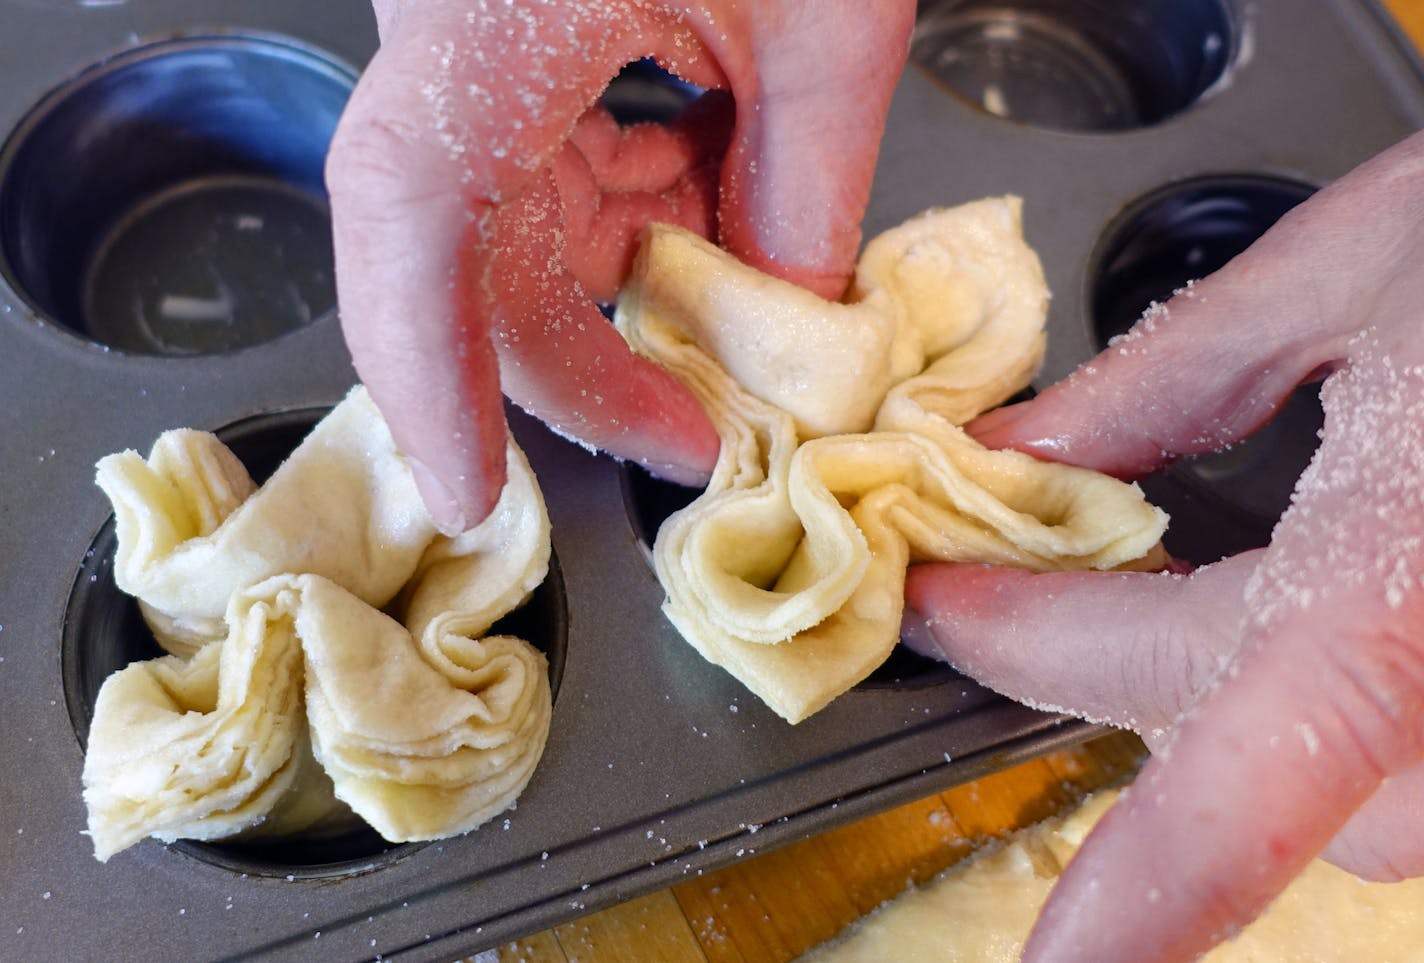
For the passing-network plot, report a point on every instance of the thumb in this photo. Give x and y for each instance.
(1131, 649)
(812, 86)
(1189, 378)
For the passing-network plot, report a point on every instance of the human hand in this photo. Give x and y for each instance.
(1282, 690)
(481, 201)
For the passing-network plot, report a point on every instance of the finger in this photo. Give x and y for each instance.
(1129, 649)
(432, 372)
(454, 114)
(652, 157)
(490, 92)
(1358, 514)
(1188, 379)
(1384, 839)
(612, 181)
(572, 239)
(813, 82)
(1254, 785)
(1216, 361)
(1006, 629)
(561, 360)
(1325, 701)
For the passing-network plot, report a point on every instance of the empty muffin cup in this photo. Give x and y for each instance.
(105, 631)
(1091, 65)
(170, 201)
(1231, 499)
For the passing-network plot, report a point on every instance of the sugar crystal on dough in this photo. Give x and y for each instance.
(838, 470)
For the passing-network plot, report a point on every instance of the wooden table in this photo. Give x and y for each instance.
(775, 906)
(1410, 14)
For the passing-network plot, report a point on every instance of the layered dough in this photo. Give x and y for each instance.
(982, 911)
(842, 460)
(289, 695)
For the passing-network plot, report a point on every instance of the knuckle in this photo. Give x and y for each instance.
(1376, 698)
(372, 157)
(1181, 658)
(1375, 860)
(1165, 673)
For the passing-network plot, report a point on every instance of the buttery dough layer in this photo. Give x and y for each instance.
(193, 528)
(842, 461)
(982, 910)
(300, 692)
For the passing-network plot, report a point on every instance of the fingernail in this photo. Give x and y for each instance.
(917, 636)
(998, 421)
(677, 474)
(444, 507)
(1179, 566)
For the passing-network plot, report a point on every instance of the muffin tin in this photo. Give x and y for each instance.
(163, 262)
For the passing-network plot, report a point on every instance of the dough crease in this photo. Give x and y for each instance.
(288, 694)
(842, 458)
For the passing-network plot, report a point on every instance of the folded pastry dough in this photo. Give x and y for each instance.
(289, 695)
(842, 459)
(193, 528)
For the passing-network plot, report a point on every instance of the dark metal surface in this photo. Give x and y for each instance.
(659, 766)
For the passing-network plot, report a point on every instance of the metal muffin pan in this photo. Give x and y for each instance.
(659, 766)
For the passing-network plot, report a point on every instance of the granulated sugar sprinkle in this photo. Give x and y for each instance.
(1355, 521)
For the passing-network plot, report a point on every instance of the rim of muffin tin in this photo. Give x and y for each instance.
(353, 853)
(18, 305)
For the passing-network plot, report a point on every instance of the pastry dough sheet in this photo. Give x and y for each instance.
(842, 458)
(981, 911)
(289, 695)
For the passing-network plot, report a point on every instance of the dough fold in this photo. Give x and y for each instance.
(299, 697)
(842, 460)
(193, 528)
